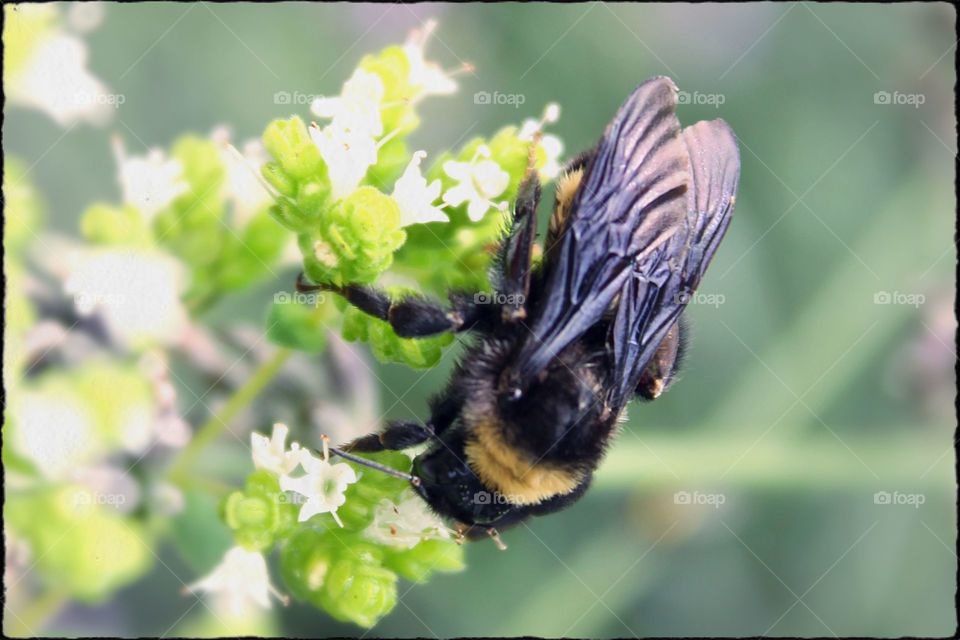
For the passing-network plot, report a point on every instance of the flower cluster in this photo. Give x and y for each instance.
(99, 350)
(45, 66)
(363, 207)
(66, 430)
(191, 225)
(344, 533)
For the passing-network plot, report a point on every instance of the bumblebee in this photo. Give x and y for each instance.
(564, 343)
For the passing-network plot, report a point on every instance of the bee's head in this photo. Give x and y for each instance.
(453, 489)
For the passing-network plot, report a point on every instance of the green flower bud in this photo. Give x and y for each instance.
(262, 482)
(305, 560)
(274, 174)
(344, 571)
(261, 513)
(342, 575)
(418, 563)
(288, 215)
(297, 172)
(288, 141)
(357, 591)
(356, 239)
(313, 199)
(252, 519)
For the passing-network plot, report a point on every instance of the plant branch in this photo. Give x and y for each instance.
(218, 423)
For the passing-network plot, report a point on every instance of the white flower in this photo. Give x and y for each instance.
(240, 579)
(137, 293)
(426, 77)
(243, 187)
(357, 108)
(479, 182)
(415, 197)
(49, 71)
(149, 182)
(551, 145)
(271, 453)
(53, 430)
(348, 153)
(323, 486)
(406, 523)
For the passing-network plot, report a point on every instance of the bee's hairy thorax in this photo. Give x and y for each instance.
(526, 455)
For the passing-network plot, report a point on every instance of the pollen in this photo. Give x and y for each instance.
(324, 253)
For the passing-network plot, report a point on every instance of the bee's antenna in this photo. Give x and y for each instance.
(412, 479)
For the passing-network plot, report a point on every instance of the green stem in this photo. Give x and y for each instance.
(217, 424)
(32, 620)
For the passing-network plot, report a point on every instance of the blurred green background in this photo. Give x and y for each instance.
(812, 383)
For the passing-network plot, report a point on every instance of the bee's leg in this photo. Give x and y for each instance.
(516, 252)
(396, 436)
(412, 316)
(661, 371)
(495, 536)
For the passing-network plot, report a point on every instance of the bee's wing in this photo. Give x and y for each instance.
(631, 202)
(648, 310)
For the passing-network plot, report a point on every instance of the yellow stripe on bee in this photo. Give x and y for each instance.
(567, 186)
(513, 474)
